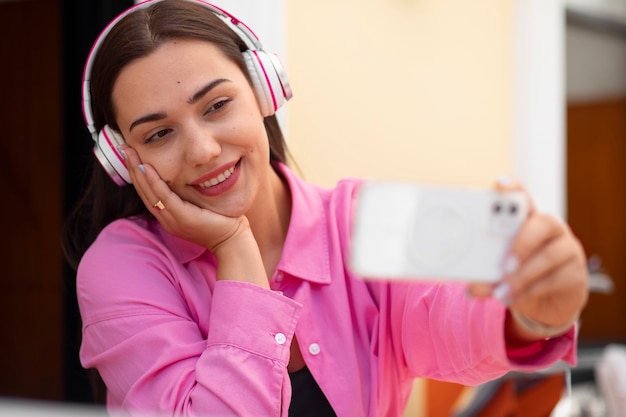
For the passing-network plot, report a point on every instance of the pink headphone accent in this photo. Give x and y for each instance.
(269, 81)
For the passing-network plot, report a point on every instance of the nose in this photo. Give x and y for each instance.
(201, 145)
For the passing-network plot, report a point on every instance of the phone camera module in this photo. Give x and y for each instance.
(504, 216)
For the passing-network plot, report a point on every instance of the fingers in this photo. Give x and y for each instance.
(546, 277)
(542, 246)
(537, 232)
(480, 289)
(566, 282)
(544, 273)
(152, 190)
(552, 267)
(184, 219)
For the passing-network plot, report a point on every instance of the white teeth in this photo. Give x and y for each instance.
(219, 178)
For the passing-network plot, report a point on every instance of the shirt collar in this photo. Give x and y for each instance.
(306, 253)
(306, 250)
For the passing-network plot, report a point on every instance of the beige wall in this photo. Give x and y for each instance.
(400, 89)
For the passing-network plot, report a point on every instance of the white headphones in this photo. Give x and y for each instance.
(266, 72)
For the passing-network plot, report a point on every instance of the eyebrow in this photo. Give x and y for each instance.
(204, 90)
(148, 118)
(192, 100)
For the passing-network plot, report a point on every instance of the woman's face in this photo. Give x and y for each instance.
(190, 113)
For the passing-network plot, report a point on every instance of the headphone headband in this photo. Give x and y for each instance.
(268, 77)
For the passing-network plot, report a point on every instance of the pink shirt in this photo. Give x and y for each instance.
(167, 338)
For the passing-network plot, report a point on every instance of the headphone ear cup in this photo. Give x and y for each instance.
(106, 151)
(269, 80)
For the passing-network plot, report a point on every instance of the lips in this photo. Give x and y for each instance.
(218, 181)
(219, 178)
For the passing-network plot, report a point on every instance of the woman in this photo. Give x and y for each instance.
(217, 283)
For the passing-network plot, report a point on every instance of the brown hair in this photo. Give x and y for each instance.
(137, 35)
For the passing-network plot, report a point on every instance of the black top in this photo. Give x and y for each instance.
(307, 399)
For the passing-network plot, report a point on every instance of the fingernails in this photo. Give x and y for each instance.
(141, 168)
(503, 180)
(501, 292)
(120, 150)
(510, 264)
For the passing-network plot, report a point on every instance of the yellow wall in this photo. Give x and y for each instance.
(400, 89)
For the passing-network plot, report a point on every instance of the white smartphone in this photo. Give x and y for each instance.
(405, 230)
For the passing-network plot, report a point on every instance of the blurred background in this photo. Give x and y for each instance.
(439, 91)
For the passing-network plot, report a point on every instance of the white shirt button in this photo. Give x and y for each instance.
(279, 277)
(314, 349)
(280, 338)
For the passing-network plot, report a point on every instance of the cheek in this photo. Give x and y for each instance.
(260, 142)
(163, 163)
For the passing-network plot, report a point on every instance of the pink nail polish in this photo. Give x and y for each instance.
(503, 180)
(510, 264)
(121, 152)
(501, 292)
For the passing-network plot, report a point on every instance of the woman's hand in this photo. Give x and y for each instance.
(178, 217)
(230, 239)
(545, 282)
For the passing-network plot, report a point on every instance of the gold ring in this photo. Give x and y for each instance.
(159, 206)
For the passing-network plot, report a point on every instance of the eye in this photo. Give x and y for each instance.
(218, 106)
(159, 135)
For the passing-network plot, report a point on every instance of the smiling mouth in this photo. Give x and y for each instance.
(219, 179)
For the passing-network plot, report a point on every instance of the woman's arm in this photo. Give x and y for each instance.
(169, 341)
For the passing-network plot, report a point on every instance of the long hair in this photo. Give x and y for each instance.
(137, 35)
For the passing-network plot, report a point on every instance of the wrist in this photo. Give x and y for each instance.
(232, 234)
(239, 259)
(534, 330)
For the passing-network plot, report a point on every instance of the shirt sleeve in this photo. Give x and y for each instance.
(140, 333)
(435, 330)
(439, 332)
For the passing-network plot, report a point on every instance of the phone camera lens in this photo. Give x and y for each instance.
(496, 208)
(513, 209)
